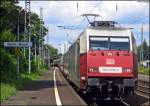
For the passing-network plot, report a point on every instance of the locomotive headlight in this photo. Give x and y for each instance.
(128, 70)
(93, 69)
(83, 78)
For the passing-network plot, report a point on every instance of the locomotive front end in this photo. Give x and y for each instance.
(111, 63)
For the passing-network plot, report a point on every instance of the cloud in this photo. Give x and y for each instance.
(66, 13)
(137, 31)
(137, 27)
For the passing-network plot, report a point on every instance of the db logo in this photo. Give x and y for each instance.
(110, 61)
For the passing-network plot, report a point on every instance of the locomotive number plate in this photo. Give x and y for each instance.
(110, 69)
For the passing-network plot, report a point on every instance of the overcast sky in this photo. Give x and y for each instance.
(127, 13)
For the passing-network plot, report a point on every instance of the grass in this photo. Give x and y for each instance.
(9, 88)
(9, 81)
(144, 71)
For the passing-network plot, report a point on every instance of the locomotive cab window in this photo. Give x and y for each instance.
(119, 43)
(99, 43)
(109, 43)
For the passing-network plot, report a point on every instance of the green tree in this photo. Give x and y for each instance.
(11, 15)
(53, 51)
(146, 51)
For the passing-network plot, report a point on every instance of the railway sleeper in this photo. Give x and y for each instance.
(143, 89)
(143, 83)
(139, 92)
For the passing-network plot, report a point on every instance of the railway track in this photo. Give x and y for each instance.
(143, 88)
(140, 98)
(109, 103)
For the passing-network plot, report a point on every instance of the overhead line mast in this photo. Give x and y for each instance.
(41, 31)
(27, 16)
(25, 22)
(29, 37)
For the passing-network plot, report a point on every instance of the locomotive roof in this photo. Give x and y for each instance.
(105, 28)
(102, 28)
(115, 28)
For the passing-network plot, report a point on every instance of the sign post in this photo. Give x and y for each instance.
(18, 69)
(17, 50)
(18, 53)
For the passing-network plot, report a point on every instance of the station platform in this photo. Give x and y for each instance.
(51, 89)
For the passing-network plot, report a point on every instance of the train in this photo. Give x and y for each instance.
(102, 62)
(56, 62)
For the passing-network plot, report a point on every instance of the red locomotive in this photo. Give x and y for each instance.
(102, 61)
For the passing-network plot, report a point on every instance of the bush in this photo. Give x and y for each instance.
(143, 70)
(6, 91)
(8, 66)
(24, 64)
(9, 79)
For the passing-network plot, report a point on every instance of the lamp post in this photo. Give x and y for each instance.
(18, 34)
(35, 47)
(29, 47)
(141, 48)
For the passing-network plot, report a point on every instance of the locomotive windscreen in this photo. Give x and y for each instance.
(99, 43)
(109, 43)
(119, 44)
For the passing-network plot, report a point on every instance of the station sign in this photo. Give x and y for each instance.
(17, 44)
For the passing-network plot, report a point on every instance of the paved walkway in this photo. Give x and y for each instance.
(43, 92)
